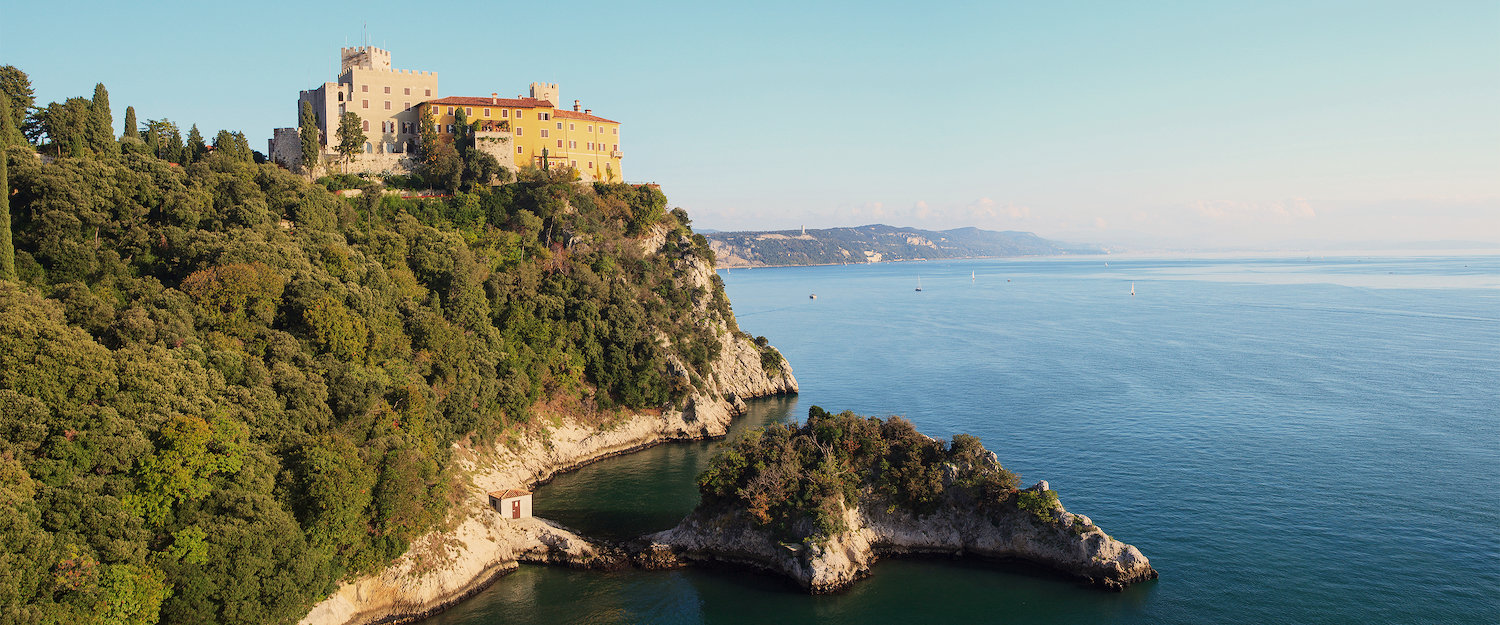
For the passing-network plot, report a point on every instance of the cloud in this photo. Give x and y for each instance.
(1101, 223)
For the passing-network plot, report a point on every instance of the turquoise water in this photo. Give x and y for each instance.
(1290, 440)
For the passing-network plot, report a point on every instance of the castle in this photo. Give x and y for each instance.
(517, 131)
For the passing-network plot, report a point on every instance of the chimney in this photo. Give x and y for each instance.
(494, 98)
(575, 106)
(588, 111)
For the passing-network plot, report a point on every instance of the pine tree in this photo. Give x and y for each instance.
(16, 85)
(7, 248)
(195, 145)
(102, 123)
(309, 136)
(131, 130)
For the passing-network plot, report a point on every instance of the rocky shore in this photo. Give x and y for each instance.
(1069, 544)
(477, 547)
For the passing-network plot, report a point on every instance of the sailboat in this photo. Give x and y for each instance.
(1132, 289)
(919, 283)
(971, 276)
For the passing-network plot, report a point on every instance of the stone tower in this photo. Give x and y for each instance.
(546, 91)
(364, 57)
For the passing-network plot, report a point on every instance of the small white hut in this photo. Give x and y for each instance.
(511, 503)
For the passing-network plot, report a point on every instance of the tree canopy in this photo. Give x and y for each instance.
(224, 388)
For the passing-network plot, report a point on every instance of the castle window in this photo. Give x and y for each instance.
(559, 125)
(365, 88)
(559, 143)
(590, 128)
(617, 130)
(369, 148)
(407, 91)
(468, 111)
(544, 132)
(591, 164)
(575, 163)
(341, 96)
(505, 112)
(387, 89)
(486, 112)
(364, 103)
(518, 131)
(429, 93)
(450, 110)
(518, 113)
(572, 144)
(591, 146)
(405, 105)
(366, 125)
(518, 149)
(387, 105)
(450, 129)
(617, 147)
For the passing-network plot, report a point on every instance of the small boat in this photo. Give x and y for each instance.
(971, 276)
(813, 296)
(1132, 289)
(919, 283)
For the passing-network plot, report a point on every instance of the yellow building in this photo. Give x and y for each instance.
(522, 128)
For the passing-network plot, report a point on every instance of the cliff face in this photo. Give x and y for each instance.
(448, 565)
(1071, 544)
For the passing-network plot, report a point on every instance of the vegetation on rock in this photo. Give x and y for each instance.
(798, 481)
(224, 388)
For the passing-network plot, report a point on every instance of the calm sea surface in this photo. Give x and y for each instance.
(1289, 440)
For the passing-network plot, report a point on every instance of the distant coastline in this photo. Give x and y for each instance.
(878, 243)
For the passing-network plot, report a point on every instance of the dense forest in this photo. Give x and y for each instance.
(796, 481)
(223, 388)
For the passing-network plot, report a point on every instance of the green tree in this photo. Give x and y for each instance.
(7, 247)
(10, 133)
(16, 85)
(164, 140)
(131, 130)
(308, 133)
(196, 148)
(427, 130)
(233, 145)
(351, 137)
(102, 123)
(68, 126)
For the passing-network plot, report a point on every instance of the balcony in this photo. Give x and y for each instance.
(616, 154)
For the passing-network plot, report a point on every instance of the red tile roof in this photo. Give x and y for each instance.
(500, 102)
(566, 114)
(508, 493)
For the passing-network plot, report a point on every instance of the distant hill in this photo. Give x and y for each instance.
(878, 243)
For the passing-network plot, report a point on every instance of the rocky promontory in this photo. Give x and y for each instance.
(822, 503)
(477, 547)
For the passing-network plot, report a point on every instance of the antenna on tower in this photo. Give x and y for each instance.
(367, 34)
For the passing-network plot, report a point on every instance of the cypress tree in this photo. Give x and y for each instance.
(102, 123)
(195, 145)
(131, 131)
(9, 133)
(7, 248)
(309, 136)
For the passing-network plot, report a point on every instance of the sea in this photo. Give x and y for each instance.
(1289, 439)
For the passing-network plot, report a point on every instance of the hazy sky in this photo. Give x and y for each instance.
(1191, 123)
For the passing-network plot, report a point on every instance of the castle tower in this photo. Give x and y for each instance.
(546, 91)
(364, 57)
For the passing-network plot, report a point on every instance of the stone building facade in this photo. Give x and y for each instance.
(520, 132)
(384, 98)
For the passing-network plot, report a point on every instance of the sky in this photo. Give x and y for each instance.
(1182, 125)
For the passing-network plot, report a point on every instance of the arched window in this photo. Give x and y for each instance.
(367, 125)
(368, 147)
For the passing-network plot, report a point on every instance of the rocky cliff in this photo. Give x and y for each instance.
(478, 546)
(1070, 544)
